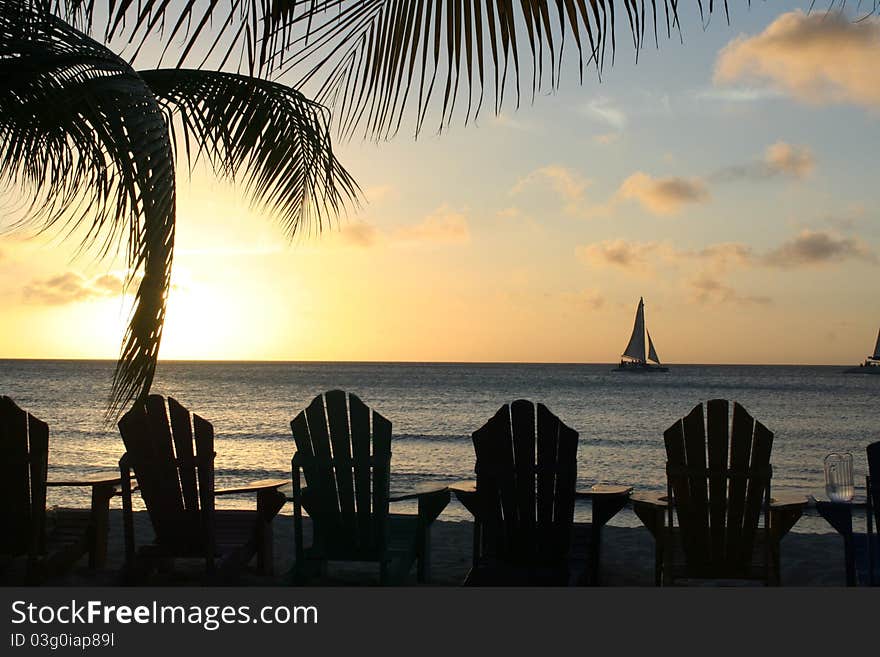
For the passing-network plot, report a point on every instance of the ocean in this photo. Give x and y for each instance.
(434, 407)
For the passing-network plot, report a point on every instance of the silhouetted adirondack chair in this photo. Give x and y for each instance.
(344, 454)
(526, 466)
(50, 543)
(872, 512)
(718, 482)
(174, 466)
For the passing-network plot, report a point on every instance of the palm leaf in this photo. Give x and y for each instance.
(81, 133)
(266, 135)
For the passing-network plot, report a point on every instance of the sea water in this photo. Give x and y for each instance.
(435, 407)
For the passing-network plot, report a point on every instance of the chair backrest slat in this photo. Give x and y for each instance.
(757, 487)
(526, 466)
(24, 453)
(181, 427)
(717, 446)
(496, 481)
(38, 444)
(361, 441)
(323, 484)
(340, 438)
(695, 452)
(673, 439)
(566, 482)
(381, 473)
(523, 425)
(741, 437)
(547, 459)
(204, 439)
(873, 454)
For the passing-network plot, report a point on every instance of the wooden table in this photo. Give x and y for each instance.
(432, 498)
(607, 501)
(104, 487)
(269, 500)
(839, 516)
(651, 509)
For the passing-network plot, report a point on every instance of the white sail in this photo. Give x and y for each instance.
(652, 353)
(876, 355)
(636, 347)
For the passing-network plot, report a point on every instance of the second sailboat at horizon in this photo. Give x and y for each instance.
(634, 358)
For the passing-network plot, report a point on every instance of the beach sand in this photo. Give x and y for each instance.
(627, 558)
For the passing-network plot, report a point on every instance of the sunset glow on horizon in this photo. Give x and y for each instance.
(727, 180)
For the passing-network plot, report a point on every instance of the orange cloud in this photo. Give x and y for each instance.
(663, 196)
(707, 289)
(817, 248)
(71, 287)
(794, 161)
(633, 256)
(359, 233)
(817, 58)
(444, 225)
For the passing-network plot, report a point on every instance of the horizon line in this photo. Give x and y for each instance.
(420, 362)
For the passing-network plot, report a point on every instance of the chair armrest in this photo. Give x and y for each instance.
(656, 500)
(603, 491)
(420, 492)
(788, 502)
(253, 487)
(99, 479)
(432, 499)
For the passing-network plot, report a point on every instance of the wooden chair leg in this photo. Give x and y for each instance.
(423, 568)
(99, 525)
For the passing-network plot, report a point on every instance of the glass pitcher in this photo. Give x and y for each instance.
(839, 477)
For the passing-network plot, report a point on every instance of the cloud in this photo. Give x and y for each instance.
(444, 225)
(569, 185)
(819, 58)
(604, 111)
(707, 268)
(590, 298)
(359, 233)
(780, 159)
(71, 287)
(664, 196)
(794, 161)
(633, 256)
(707, 289)
(738, 94)
(816, 248)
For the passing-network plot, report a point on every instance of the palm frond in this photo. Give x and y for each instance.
(374, 61)
(257, 33)
(81, 133)
(266, 135)
(371, 60)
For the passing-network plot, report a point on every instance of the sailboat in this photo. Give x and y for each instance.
(633, 358)
(871, 364)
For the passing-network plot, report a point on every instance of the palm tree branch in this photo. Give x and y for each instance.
(266, 135)
(82, 134)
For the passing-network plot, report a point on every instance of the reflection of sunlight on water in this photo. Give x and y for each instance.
(434, 408)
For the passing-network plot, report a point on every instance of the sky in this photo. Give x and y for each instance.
(729, 180)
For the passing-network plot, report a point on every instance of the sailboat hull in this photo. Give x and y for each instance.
(863, 369)
(640, 368)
